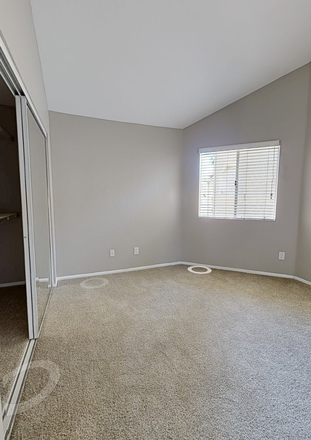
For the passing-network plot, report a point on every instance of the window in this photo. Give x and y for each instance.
(239, 181)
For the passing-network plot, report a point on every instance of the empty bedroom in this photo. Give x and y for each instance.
(157, 157)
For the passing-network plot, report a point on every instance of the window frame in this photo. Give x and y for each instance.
(236, 147)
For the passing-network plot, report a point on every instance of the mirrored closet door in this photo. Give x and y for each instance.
(25, 238)
(38, 188)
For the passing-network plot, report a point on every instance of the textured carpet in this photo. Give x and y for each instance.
(166, 354)
(13, 332)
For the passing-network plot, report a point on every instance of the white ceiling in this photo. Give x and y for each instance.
(165, 62)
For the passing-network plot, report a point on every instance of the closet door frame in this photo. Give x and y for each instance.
(14, 81)
(23, 102)
(22, 128)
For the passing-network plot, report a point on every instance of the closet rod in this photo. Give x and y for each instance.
(4, 217)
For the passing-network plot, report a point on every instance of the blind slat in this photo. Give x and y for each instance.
(239, 183)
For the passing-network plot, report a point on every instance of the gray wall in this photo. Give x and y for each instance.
(122, 185)
(116, 186)
(17, 28)
(277, 111)
(303, 266)
(11, 236)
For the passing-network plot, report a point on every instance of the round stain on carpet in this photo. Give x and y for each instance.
(94, 283)
(200, 269)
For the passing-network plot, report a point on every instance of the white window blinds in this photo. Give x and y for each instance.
(239, 183)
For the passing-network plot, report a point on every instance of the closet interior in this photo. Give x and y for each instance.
(13, 303)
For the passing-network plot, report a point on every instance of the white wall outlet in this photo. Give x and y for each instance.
(281, 255)
(136, 250)
(112, 253)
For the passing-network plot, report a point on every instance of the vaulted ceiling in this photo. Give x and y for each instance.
(165, 62)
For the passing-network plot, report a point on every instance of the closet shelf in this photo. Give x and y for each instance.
(5, 216)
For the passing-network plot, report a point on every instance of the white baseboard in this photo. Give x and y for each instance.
(108, 272)
(17, 283)
(42, 280)
(175, 263)
(234, 269)
(302, 280)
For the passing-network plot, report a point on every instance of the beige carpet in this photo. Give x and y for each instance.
(13, 332)
(165, 354)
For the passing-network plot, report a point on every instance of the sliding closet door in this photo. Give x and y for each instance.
(36, 223)
(26, 218)
(40, 214)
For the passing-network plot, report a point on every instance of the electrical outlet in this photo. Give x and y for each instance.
(112, 253)
(136, 250)
(281, 255)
